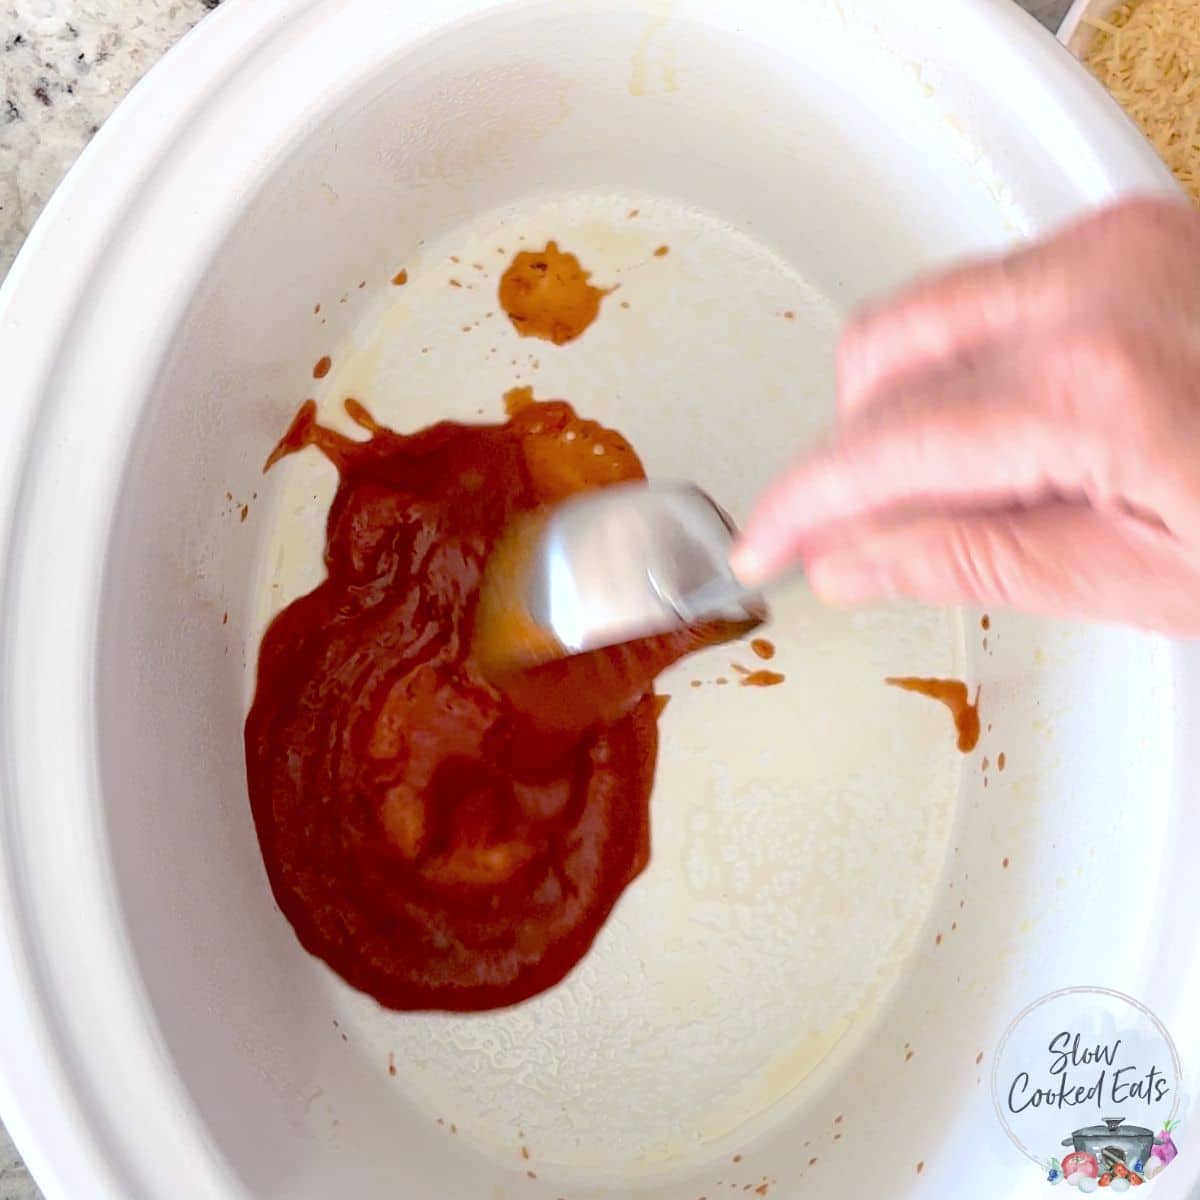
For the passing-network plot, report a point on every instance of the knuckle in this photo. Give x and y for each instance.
(1114, 406)
(1105, 371)
(858, 330)
(1162, 237)
(1156, 218)
(1144, 219)
(849, 365)
(854, 351)
(972, 559)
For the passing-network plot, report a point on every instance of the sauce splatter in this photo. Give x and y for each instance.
(546, 294)
(401, 277)
(516, 399)
(662, 251)
(442, 840)
(954, 695)
(759, 679)
(763, 648)
(985, 622)
(1001, 761)
(321, 368)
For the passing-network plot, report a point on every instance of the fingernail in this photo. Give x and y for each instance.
(748, 564)
(848, 581)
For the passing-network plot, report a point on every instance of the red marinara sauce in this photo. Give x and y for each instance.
(442, 841)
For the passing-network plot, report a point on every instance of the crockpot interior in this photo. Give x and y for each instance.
(834, 153)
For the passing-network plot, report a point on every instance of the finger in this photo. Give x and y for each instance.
(1057, 560)
(938, 322)
(931, 325)
(974, 439)
(1071, 417)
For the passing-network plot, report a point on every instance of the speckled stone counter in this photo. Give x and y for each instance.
(64, 66)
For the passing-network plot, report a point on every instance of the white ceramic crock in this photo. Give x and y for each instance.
(164, 1036)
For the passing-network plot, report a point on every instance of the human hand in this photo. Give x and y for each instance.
(1021, 432)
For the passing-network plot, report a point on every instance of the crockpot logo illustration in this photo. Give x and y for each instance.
(1086, 1082)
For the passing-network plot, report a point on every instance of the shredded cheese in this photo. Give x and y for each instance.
(1148, 55)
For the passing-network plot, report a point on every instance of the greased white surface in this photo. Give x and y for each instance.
(750, 944)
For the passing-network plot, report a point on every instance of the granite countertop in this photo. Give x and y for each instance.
(64, 66)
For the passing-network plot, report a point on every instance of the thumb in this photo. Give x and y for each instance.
(1060, 560)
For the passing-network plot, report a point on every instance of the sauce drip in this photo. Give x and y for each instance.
(321, 369)
(759, 679)
(517, 398)
(763, 648)
(441, 839)
(546, 294)
(954, 695)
